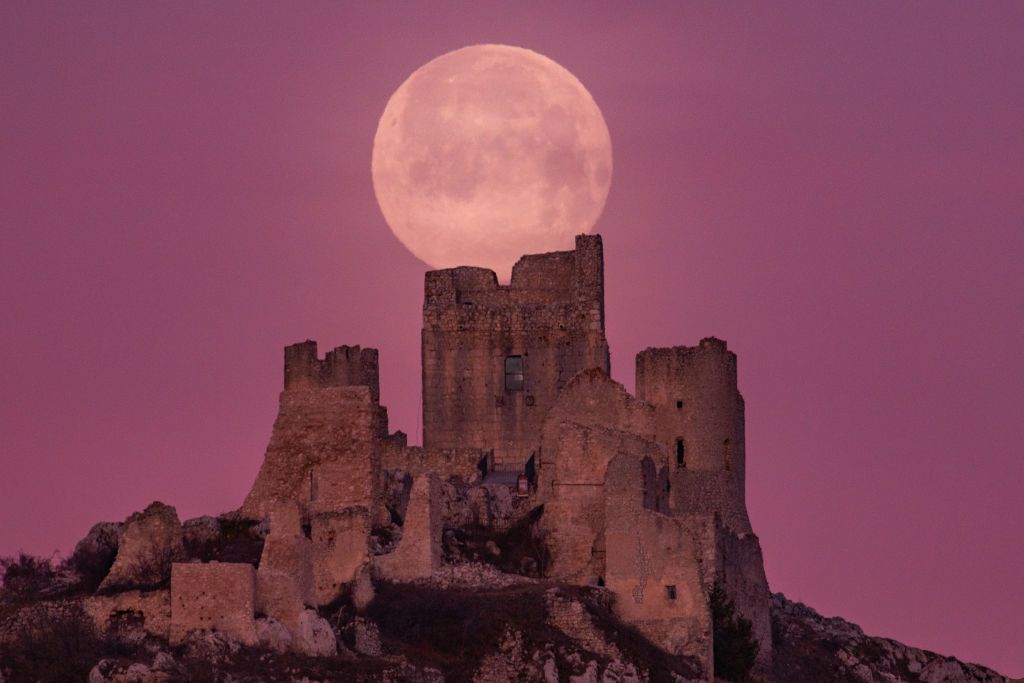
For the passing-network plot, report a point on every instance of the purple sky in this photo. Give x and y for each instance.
(837, 191)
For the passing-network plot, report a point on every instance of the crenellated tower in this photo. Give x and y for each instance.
(495, 356)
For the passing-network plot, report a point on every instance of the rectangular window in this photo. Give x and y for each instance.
(514, 373)
(670, 592)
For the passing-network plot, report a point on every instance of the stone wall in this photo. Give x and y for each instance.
(740, 571)
(652, 567)
(571, 483)
(551, 317)
(444, 462)
(340, 549)
(323, 443)
(215, 596)
(151, 610)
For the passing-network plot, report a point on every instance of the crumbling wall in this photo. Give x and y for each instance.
(340, 548)
(551, 316)
(215, 596)
(284, 580)
(571, 483)
(343, 366)
(652, 567)
(593, 398)
(418, 554)
(444, 462)
(149, 610)
(735, 563)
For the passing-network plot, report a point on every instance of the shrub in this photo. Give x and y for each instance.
(453, 629)
(237, 540)
(26, 579)
(90, 564)
(735, 647)
(54, 643)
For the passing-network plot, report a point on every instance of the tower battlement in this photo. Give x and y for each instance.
(341, 367)
(544, 288)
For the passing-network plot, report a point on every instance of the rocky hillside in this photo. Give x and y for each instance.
(468, 623)
(810, 648)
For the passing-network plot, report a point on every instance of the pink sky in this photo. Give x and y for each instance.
(836, 189)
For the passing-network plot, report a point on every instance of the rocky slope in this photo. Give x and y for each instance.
(468, 623)
(810, 648)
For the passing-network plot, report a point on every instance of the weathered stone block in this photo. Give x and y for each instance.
(150, 541)
(418, 554)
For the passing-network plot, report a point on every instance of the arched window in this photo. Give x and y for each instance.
(680, 454)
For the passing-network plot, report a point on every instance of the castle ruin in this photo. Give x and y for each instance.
(641, 495)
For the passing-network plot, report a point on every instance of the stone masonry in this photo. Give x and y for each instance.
(213, 597)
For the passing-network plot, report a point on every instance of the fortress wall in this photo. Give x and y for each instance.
(323, 452)
(592, 398)
(740, 571)
(714, 492)
(444, 462)
(551, 316)
(572, 485)
(652, 567)
(340, 548)
(215, 596)
(284, 580)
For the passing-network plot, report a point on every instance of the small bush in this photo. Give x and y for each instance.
(90, 565)
(26, 579)
(236, 541)
(735, 647)
(54, 643)
(453, 629)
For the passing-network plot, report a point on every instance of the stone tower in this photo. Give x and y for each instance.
(496, 356)
(330, 425)
(699, 417)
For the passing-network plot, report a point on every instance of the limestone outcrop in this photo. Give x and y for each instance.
(149, 542)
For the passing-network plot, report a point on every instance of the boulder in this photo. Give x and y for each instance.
(273, 635)
(362, 589)
(150, 541)
(314, 636)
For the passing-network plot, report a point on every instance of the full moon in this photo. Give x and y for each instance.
(488, 153)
